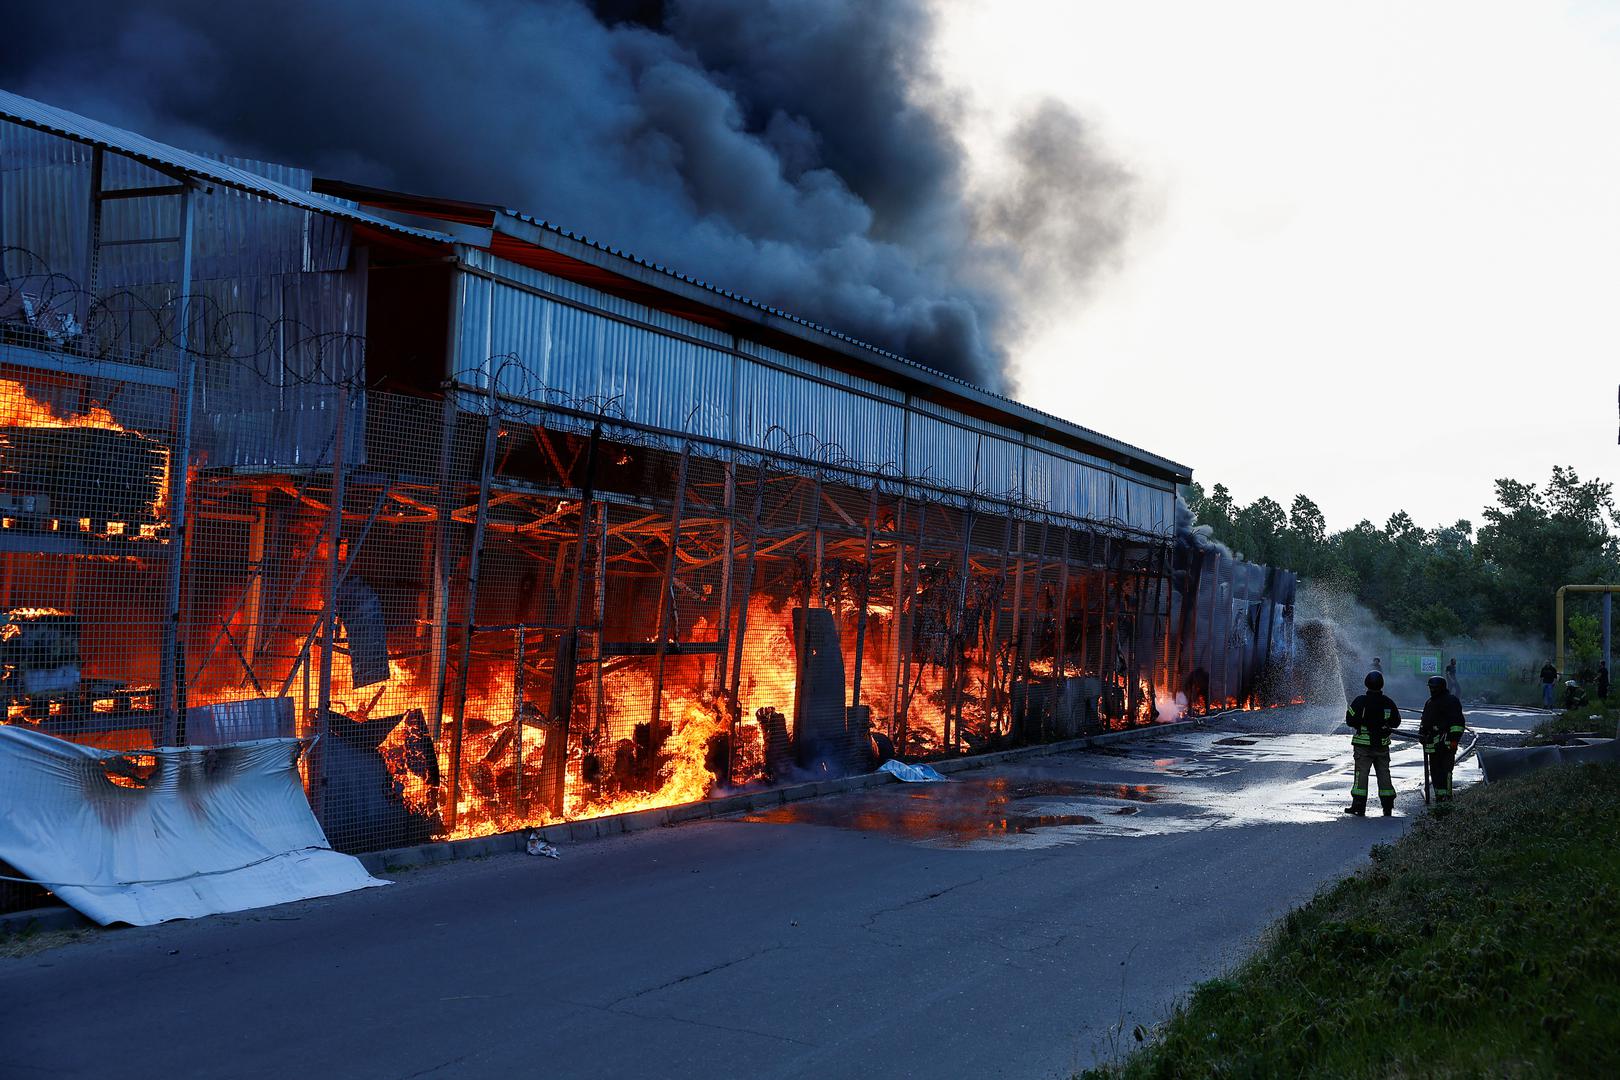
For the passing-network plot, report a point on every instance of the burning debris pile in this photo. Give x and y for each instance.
(503, 591)
(1234, 639)
(79, 472)
(612, 627)
(80, 493)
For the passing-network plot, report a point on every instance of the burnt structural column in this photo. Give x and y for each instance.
(492, 432)
(666, 604)
(171, 690)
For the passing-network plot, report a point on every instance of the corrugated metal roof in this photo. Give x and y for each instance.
(70, 125)
(855, 346)
(61, 122)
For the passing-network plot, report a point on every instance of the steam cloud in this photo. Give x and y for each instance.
(1194, 535)
(802, 151)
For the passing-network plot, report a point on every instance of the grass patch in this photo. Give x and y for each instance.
(1486, 942)
(30, 941)
(1581, 719)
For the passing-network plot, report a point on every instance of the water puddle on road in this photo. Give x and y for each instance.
(1179, 783)
(961, 812)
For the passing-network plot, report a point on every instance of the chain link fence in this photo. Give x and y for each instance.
(498, 613)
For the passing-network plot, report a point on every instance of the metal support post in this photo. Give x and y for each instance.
(744, 600)
(895, 609)
(492, 433)
(601, 617)
(812, 588)
(171, 692)
(728, 540)
(909, 633)
(1608, 622)
(92, 247)
(866, 598)
(334, 552)
(666, 592)
(1015, 661)
(1032, 623)
(1060, 637)
(992, 631)
(443, 566)
(518, 794)
(565, 668)
(957, 681)
(254, 610)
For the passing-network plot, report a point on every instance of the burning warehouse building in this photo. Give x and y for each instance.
(528, 529)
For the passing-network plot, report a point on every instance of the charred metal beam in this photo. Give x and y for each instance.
(171, 690)
(866, 597)
(334, 553)
(760, 479)
(492, 433)
(651, 648)
(728, 542)
(666, 593)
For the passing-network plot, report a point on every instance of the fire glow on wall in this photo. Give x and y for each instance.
(621, 543)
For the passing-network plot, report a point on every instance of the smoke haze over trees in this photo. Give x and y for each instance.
(803, 152)
(1447, 582)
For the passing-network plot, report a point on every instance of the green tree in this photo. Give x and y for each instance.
(1262, 523)
(1306, 519)
(1445, 582)
(1535, 540)
(1585, 644)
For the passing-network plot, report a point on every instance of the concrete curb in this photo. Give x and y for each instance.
(573, 832)
(37, 920)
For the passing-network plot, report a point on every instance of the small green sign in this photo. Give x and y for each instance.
(1419, 662)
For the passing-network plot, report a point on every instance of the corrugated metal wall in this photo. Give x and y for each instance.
(554, 340)
(278, 300)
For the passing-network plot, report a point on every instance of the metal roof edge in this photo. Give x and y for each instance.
(170, 159)
(1033, 421)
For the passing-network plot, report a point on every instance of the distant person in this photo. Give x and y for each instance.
(1603, 680)
(1378, 665)
(1451, 677)
(1439, 731)
(1549, 677)
(1574, 694)
(1373, 716)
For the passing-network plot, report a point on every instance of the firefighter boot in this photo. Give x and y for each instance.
(1358, 806)
(1389, 804)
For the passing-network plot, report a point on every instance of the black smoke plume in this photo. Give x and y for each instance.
(804, 152)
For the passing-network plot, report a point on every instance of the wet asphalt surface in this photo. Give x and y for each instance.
(1016, 921)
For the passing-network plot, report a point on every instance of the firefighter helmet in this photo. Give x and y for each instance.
(1374, 680)
(1438, 683)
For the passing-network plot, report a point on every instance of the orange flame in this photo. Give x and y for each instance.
(20, 408)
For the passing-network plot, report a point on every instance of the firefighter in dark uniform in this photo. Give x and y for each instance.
(1439, 731)
(1373, 716)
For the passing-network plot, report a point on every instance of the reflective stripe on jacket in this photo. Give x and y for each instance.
(1443, 720)
(1373, 716)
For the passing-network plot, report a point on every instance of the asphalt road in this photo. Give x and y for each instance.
(1015, 922)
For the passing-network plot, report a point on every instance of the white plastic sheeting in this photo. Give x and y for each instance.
(176, 833)
(911, 774)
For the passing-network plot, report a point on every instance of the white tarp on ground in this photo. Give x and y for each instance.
(911, 774)
(176, 833)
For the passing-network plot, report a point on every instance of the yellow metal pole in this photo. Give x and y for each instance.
(1558, 613)
(1558, 622)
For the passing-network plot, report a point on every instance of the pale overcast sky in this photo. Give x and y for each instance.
(1377, 254)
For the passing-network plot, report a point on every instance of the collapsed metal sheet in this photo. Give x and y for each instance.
(172, 833)
(361, 611)
(1501, 763)
(237, 721)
